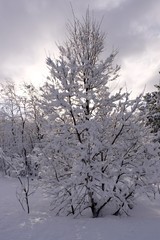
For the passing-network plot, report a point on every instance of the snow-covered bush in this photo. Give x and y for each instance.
(96, 150)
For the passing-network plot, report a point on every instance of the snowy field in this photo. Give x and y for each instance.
(143, 224)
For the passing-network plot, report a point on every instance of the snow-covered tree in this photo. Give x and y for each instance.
(97, 152)
(20, 131)
(34, 113)
(15, 121)
(20, 120)
(152, 109)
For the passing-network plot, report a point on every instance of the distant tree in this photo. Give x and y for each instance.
(3, 162)
(97, 152)
(15, 120)
(34, 113)
(152, 109)
(20, 120)
(20, 128)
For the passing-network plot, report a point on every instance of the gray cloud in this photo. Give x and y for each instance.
(28, 28)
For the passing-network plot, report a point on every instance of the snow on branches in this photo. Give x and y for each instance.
(97, 152)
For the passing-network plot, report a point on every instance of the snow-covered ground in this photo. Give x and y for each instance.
(143, 224)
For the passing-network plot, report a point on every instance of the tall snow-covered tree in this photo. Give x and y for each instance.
(97, 151)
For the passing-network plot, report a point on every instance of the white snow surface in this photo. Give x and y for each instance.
(41, 224)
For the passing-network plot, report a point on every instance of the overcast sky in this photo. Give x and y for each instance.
(30, 28)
